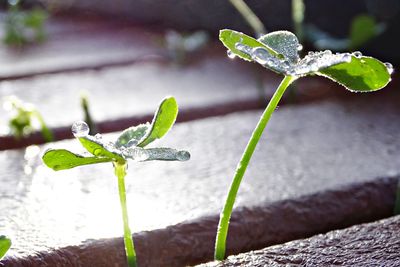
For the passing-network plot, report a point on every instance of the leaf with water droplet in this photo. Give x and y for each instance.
(163, 120)
(283, 42)
(132, 135)
(62, 159)
(231, 38)
(159, 153)
(362, 74)
(99, 148)
(5, 244)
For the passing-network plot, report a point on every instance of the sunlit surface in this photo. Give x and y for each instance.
(42, 209)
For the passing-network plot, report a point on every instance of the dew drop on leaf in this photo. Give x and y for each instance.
(183, 156)
(299, 47)
(260, 55)
(389, 67)
(80, 129)
(230, 54)
(357, 54)
(243, 48)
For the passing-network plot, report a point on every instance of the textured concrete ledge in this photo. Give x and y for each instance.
(192, 242)
(307, 149)
(372, 244)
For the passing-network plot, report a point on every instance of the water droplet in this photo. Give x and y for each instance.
(80, 129)
(328, 52)
(260, 55)
(299, 47)
(243, 48)
(357, 54)
(389, 67)
(98, 136)
(132, 143)
(230, 54)
(183, 155)
(311, 53)
(347, 57)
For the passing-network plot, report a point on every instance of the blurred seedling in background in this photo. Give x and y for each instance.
(128, 146)
(5, 244)
(24, 26)
(25, 119)
(180, 45)
(279, 52)
(363, 28)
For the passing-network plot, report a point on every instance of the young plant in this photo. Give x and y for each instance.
(25, 116)
(23, 27)
(278, 51)
(5, 244)
(129, 145)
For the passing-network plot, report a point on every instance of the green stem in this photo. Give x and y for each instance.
(298, 9)
(220, 243)
(46, 132)
(120, 172)
(249, 16)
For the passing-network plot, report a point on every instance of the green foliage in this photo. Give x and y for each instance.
(129, 145)
(354, 71)
(5, 244)
(362, 74)
(25, 115)
(23, 27)
(278, 51)
(163, 120)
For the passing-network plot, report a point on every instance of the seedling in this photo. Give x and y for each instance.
(23, 27)
(363, 28)
(129, 145)
(278, 51)
(25, 117)
(179, 45)
(5, 244)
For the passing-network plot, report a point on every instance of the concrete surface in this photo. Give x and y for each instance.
(373, 244)
(306, 149)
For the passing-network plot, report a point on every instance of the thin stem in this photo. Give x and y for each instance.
(46, 132)
(220, 243)
(120, 172)
(298, 9)
(251, 18)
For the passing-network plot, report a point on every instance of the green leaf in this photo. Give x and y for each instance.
(283, 42)
(99, 148)
(362, 74)
(5, 244)
(160, 153)
(163, 120)
(363, 28)
(62, 159)
(132, 135)
(231, 38)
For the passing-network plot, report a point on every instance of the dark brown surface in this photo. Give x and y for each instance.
(373, 244)
(251, 228)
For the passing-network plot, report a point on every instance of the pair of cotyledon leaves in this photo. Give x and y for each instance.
(279, 51)
(129, 145)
